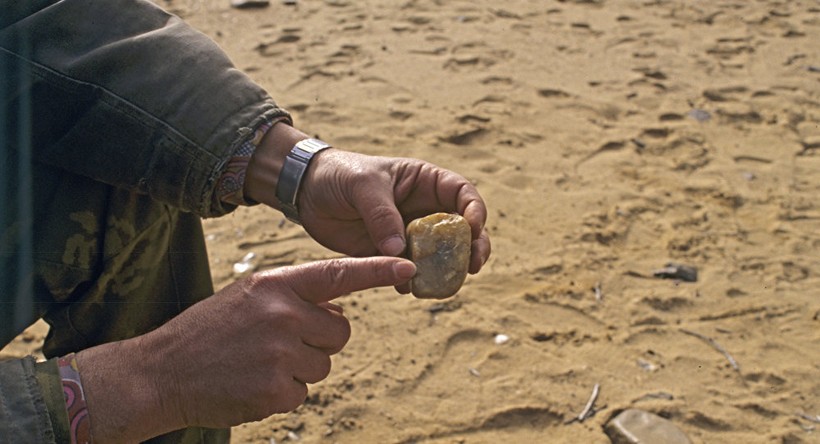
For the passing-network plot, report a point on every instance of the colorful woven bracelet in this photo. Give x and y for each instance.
(78, 423)
(231, 183)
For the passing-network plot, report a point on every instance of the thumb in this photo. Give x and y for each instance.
(326, 280)
(382, 219)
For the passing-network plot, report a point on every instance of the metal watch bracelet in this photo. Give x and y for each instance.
(293, 170)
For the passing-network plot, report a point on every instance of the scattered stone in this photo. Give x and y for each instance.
(677, 271)
(810, 143)
(246, 264)
(439, 244)
(501, 339)
(250, 4)
(635, 426)
(646, 365)
(700, 115)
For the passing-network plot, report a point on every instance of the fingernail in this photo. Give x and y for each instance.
(393, 246)
(405, 269)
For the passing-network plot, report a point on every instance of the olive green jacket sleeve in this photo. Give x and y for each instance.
(127, 94)
(32, 408)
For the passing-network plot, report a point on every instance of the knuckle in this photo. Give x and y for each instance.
(335, 270)
(380, 212)
(260, 282)
(341, 338)
(286, 316)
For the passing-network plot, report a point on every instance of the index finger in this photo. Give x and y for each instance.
(323, 281)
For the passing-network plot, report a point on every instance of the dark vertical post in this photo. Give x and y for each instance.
(24, 299)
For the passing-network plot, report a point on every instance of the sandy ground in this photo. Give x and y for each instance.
(608, 138)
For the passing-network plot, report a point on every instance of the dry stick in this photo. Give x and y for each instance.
(715, 345)
(588, 408)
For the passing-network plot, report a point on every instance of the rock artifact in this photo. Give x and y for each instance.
(677, 271)
(634, 426)
(249, 4)
(439, 244)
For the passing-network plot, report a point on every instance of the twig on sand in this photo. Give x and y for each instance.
(714, 345)
(588, 410)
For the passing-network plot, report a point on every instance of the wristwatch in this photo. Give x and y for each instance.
(296, 163)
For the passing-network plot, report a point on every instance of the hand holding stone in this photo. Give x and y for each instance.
(359, 205)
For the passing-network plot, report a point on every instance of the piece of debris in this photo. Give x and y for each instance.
(246, 264)
(700, 115)
(589, 409)
(501, 339)
(714, 345)
(655, 395)
(814, 419)
(672, 270)
(250, 4)
(635, 426)
(646, 365)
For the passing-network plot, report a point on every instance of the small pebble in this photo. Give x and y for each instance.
(245, 264)
(501, 339)
(249, 4)
(700, 115)
(677, 271)
(646, 365)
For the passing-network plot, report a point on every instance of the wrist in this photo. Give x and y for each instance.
(124, 395)
(263, 171)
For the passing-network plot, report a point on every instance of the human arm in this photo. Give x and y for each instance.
(239, 356)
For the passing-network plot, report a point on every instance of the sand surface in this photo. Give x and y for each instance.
(608, 138)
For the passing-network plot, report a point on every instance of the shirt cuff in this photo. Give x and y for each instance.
(231, 183)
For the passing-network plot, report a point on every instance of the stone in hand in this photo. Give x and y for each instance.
(439, 244)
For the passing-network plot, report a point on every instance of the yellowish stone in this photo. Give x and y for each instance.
(439, 244)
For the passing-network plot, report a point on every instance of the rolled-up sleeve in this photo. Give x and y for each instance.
(32, 407)
(128, 94)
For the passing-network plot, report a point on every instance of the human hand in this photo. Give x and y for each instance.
(241, 355)
(359, 205)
